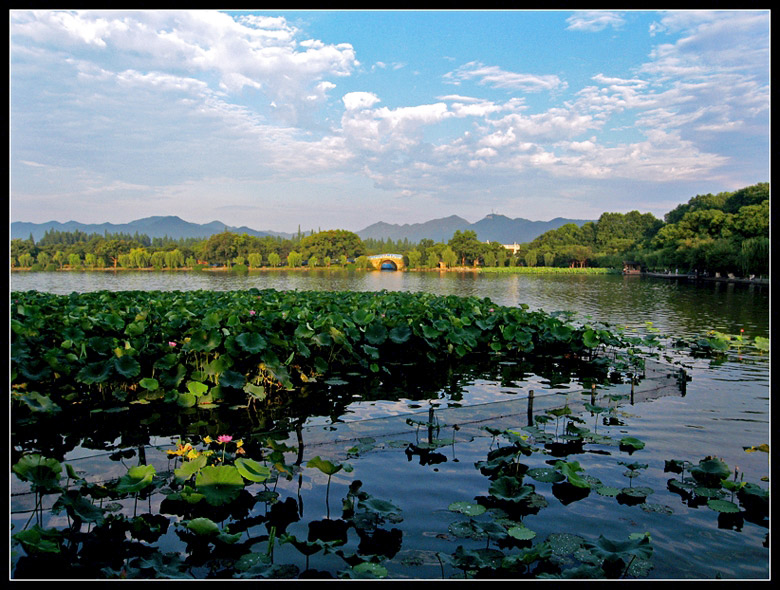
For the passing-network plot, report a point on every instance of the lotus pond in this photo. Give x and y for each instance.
(311, 434)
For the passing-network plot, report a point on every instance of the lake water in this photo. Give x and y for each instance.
(725, 409)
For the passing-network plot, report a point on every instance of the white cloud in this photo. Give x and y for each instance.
(495, 77)
(594, 21)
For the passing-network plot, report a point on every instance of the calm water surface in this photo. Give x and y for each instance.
(725, 409)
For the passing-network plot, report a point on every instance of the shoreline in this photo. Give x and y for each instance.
(461, 269)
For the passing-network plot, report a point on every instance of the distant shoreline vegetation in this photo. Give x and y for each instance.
(712, 235)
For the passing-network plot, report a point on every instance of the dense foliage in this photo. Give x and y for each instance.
(723, 233)
(202, 346)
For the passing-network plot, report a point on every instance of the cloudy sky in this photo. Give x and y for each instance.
(341, 119)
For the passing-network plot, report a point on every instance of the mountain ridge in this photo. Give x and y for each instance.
(493, 228)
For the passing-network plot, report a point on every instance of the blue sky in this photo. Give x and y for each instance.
(340, 119)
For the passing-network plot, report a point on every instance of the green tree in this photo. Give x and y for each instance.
(174, 258)
(466, 246)
(74, 260)
(221, 248)
(59, 258)
(414, 257)
(449, 257)
(294, 259)
(531, 258)
(25, 259)
(332, 243)
(43, 258)
(274, 259)
(549, 258)
(157, 259)
(313, 261)
(90, 259)
(255, 259)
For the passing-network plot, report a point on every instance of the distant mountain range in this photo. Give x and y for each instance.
(154, 227)
(493, 228)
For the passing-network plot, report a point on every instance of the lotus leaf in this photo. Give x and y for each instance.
(723, 506)
(136, 479)
(608, 549)
(203, 526)
(510, 488)
(127, 366)
(251, 342)
(521, 533)
(41, 472)
(78, 508)
(191, 467)
(467, 508)
(38, 403)
(710, 472)
(220, 484)
(252, 470)
(38, 540)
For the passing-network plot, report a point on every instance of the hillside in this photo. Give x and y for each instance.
(493, 228)
(154, 227)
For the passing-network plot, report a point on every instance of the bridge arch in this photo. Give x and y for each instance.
(387, 261)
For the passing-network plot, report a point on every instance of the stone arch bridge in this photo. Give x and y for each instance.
(387, 261)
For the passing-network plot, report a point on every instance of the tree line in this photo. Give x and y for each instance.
(723, 233)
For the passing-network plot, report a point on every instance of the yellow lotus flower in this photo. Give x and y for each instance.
(208, 440)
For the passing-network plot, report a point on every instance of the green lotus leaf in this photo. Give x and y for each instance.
(761, 343)
(98, 372)
(590, 338)
(631, 442)
(327, 467)
(710, 472)
(203, 526)
(136, 479)
(204, 340)
(723, 506)
(78, 508)
(362, 317)
(211, 321)
(400, 334)
(521, 533)
(251, 342)
(127, 366)
(571, 472)
(43, 473)
(252, 470)
(510, 488)
(197, 388)
(186, 400)
(382, 507)
(367, 569)
(38, 403)
(608, 549)
(232, 379)
(607, 491)
(190, 468)
(38, 540)
(149, 383)
(376, 333)
(255, 391)
(467, 508)
(220, 484)
(546, 474)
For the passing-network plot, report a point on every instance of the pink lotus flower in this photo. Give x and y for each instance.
(252, 312)
(224, 438)
(172, 344)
